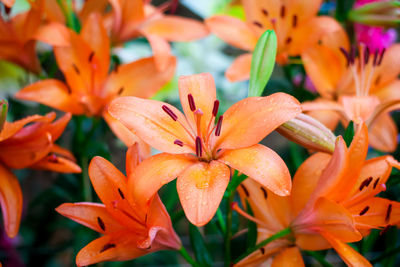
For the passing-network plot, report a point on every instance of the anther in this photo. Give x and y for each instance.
(294, 21)
(120, 91)
(107, 247)
(264, 11)
(365, 183)
(388, 213)
(352, 55)
(381, 56)
(76, 69)
(364, 211)
(375, 61)
(264, 192)
(376, 183)
(258, 24)
(101, 223)
(262, 250)
(384, 230)
(199, 148)
(283, 11)
(192, 105)
(346, 55)
(288, 40)
(178, 142)
(245, 190)
(215, 108)
(91, 56)
(366, 55)
(121, 194)
(169, 112)
(219, 126)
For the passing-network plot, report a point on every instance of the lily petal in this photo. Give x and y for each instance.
(261, 164)
(154, 172)
(161, 50)
(11, 128)
(175, 29)
(388, 71)
(147, 119)
(202, 88)
(53, 33)
(57, 164)
(92, 215)
(290, 257)
(239, 70)
(347, 253)
(359, 109)
(201, 188)
(11, 201)
(383, 133)
(248, 121)
(52, 93)
(233, 31)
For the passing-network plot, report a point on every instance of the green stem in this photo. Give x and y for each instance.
(280, 234)
(87, 189)
(385, 255)
(228, 230)
(221, 221)
(187, 257)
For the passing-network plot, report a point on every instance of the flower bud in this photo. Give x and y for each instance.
(385, 13)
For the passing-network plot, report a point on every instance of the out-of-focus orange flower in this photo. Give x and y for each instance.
(128, 233)
(134, 18)
(17, 43)
(85, 61)
(8, 3)
(358, 89)
(333, 202)
(295, 23)
(29, 146)
(199, 153)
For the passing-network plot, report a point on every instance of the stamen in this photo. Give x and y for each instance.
(219, 126)
(197, 114)
(215, 108)
(352, 55)
(375, 61)
(192, 105)
(258, 24)
(365, 183)
(288, 40)
(235, 207)
(376, 183)
(264, 11)
(283, 11)
(364, 211)
(264, 192)
(101, 223)
(120, 91)
(346, 55)
(294, 21)
(178, 142)
(245, 190)
(121, 194)
(262, 250)
(384, 230)
(381, 57)
(170, 112)
(76, 69)
(91, 56)
(388, 213)
(366, 55)
(107, 247)
(199, 148)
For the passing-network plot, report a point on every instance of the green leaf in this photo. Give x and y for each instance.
(349, 134)
(3, 112)
(199, 247)
(262, 62)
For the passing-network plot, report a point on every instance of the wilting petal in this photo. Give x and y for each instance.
(126, 136)
(52, 93)
(202, 88)
(154, 172)
(373, 213)
(119, 247)
(57, 164)
(201, 188)
(147, 119)
(310, 32)
(261, 164)
(10, 200)
(306, 179)
(240, 68)
(290, 257)
(175, 29)
(161, 50)
(383, 133)
(233, 31)
(248, 121)
(92, 215)
(359, 109)
(346, 252)
(140, 78)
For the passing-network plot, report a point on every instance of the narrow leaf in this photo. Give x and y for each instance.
(199, 247)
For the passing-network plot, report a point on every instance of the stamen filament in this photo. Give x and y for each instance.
(219, 126)
(236, 208)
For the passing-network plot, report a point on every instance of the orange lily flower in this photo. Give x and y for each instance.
(127, 233)
(333, 202)
(8, 3)
(358, 89)
(199, 153)
(85, 60)
(134, 18)
(17, 43)
(295, 23)
(33, 147)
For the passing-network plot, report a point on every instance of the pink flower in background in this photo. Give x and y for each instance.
(376, 38)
